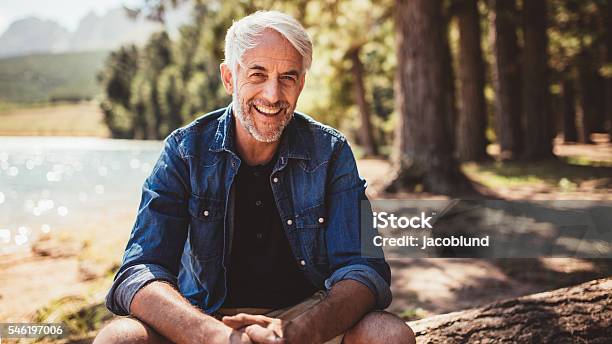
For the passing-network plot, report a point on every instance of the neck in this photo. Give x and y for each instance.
(252, 151)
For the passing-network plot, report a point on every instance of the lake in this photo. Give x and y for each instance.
(50, 184)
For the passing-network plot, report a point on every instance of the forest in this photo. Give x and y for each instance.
(429, 84)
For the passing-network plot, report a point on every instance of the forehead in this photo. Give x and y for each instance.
(273, 51)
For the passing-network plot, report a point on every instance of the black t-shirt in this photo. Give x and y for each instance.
(263, 272)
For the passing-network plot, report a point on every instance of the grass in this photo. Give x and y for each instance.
(82, 315)
(42, 77)
(63, 119)
(563, 173)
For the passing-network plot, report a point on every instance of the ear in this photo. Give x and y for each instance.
(226, 77)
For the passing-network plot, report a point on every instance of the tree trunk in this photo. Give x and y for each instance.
(448, 12)
(367, 135)
(588, 101)
(471, 124)
(536, 98)
(570, 134)
(608, 94)
(424, 148)
(579, 314)
(506, 78)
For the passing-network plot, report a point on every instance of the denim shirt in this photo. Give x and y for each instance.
(183, 229)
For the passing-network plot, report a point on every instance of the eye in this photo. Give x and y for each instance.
(257, 76)
(289, 78)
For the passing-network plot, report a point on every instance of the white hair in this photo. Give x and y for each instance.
(244, 34)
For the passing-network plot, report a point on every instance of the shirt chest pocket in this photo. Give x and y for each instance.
(311, 227)
(206, 227)
(314, 218)
(206, 209)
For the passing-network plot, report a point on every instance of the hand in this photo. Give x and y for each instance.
(235, 336)
(258, 328)
(239, 337)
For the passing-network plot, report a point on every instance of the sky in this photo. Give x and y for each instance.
(66, 12)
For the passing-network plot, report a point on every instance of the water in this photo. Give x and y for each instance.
(57, 183)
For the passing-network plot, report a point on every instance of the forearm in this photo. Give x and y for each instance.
(347, 302)
(162, 307)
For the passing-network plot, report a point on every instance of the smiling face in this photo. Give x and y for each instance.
(266, 87)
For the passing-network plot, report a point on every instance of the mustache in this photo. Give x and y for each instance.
(281, 104)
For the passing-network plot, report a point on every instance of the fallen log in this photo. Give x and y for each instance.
(578, 314)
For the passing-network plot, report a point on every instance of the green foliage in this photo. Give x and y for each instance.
(116, 80)
(78, 314)
(155, 89)
(180, 78)
(170, 90)
(172, 82)
(45, 77)
(576, 26)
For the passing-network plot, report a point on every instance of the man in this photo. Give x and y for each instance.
(248, 228)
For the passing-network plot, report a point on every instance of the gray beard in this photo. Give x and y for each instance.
(249, 124)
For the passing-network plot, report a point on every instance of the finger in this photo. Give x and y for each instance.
(241, 320)
(240, 337)
(263, 335)
(233, 323)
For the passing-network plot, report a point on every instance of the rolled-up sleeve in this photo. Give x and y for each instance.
(344, 234)
(157, 239)
(131, 280)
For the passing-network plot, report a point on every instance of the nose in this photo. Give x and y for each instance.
(271, 90)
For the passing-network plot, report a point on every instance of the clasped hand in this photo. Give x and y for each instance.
(258, 329)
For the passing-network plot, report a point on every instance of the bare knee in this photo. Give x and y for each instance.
(128, 331)
(380, 327)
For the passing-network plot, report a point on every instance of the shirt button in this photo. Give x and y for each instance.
(289, 222)
(205, 212)
(321, 220)
(275, 180)
(258, 203)
(302, 262)
(259, 235)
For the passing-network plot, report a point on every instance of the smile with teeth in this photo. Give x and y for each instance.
(266, 110)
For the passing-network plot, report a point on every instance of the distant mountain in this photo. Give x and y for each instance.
(94, 32)
(110, 31)
(33, 35)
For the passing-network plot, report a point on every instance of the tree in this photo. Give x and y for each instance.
(349, 38)
(590, 88)
(367, 134)
(608, 66)
(579, 314)
(506, 77)
(471, 120)
(579, 37)
(424, 149)
(170, 99)
(143, 123)
(156, 55)
(538, 124)
(116, 80)
(570, 134)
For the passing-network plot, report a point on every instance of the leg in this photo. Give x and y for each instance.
(129, 331)
(379, 327)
